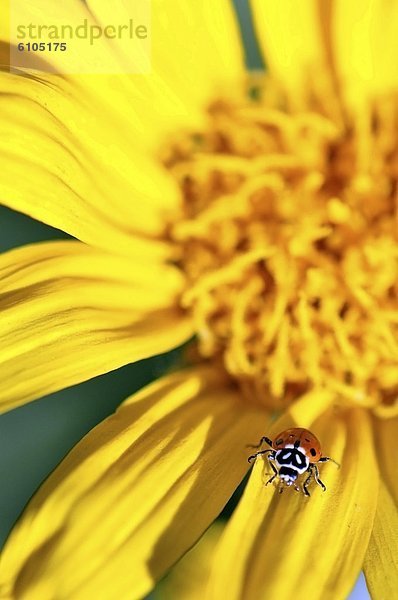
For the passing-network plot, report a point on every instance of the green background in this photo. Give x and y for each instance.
(35, 437)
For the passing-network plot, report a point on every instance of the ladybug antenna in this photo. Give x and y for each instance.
(261, 442)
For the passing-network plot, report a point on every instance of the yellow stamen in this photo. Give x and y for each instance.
(288, 242)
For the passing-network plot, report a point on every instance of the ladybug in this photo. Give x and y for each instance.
(293, 452)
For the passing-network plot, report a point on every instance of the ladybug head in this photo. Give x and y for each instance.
(288, 475)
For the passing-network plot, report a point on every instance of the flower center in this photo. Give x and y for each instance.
(288, 241)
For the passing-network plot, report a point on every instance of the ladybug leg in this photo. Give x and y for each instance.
(274, 470)
(316, 475)
(261, 442)
(327, 458)
(307, 481)
(253, 456)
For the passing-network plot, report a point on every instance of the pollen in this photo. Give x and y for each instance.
(288, 240)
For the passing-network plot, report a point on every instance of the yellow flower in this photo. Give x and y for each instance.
(263, 223)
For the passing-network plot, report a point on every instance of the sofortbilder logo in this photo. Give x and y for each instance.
(71, 39)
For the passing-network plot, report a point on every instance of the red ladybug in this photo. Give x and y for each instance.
(294, 451)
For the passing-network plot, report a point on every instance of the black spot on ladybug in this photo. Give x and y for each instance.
(280, 441)
(307, 440)
(297, 443)
(313, 452)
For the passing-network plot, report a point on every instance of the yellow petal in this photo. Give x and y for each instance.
(188, 578)
(59, 167)
(381, 560)
(69, 313)
(386, 436)
(290, 36)
(134, 495)
(97, 182)
(196, 52)
(288, 546)
(365, 44)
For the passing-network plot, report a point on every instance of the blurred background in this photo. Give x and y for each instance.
(34, 438)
